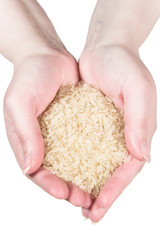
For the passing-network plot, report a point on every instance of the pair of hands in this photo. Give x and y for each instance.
(120, 74)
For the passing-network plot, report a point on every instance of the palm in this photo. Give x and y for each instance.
(121, 75)
(35, 83)
(110, 68)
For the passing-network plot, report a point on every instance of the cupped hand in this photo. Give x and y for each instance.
(35, 83)
(121, 75)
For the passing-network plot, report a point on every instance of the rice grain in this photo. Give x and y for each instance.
(83, 134)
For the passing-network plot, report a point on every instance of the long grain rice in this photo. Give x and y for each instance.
(83, 134)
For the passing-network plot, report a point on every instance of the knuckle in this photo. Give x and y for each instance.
(103, 202)
(23, 137)
(155, 127)
(108, 197)
(140, 168)
(106, 202)
(148, 85)
(8, 101)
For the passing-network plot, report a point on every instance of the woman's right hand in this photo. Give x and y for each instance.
(35, 83)
(41, 65)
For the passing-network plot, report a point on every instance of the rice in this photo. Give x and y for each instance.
(83, 134)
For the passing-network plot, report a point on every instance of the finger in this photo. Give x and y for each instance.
(120, 179)
(88, 200)
(85, 213)
(14, 141)
(50, 183)
(76, 195)
(139, 117)
(87, 205)
(20, 113)
(43, 178)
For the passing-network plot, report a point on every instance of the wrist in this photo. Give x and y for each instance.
(36, 46)
(31, 31)
(109, 26)
(42, 52)
(122, 22)
(121, 37)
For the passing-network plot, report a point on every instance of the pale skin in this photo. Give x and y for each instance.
(110, 61)
(41, 66)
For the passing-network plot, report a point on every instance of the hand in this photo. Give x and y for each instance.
(35, 82)
(122, 76)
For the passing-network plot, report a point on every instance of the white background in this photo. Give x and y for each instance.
(27, 212)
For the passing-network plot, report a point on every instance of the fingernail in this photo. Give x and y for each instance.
(93, 223)
(145, 151)
(84, 209)
(103, 209)
(26, 165)
(86, 213)
(82, 205)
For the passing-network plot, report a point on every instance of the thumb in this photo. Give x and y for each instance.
(140, 117)
(20, 113)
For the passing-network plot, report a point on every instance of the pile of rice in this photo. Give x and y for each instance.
(83, 134)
